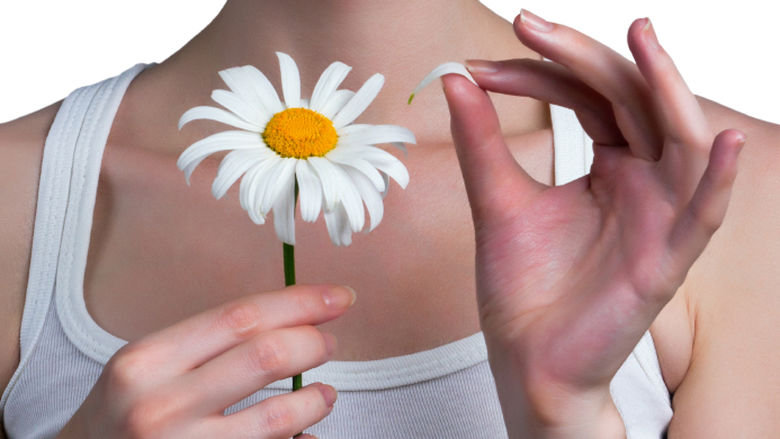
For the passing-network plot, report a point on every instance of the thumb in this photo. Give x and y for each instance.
(492, 177)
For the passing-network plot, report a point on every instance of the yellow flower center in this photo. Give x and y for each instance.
(300, 133)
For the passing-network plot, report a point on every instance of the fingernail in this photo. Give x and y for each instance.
(330, 343)
(649, 33)
(741, 139)
(481, 66)
(534, 22)
(339, 298)
(328, 394)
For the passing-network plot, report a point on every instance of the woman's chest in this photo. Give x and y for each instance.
(161, 251)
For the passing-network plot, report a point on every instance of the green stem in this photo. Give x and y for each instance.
(288, 252)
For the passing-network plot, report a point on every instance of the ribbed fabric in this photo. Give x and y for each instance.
(443, 392)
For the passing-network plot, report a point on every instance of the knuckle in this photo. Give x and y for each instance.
(240, 318)
(129, 367)
(140, 420)
(268, 355)
(152, 414)
(277, 420)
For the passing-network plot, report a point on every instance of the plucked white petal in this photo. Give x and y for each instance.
(291, 80)
(441, 70)
(382, 160)
(195, 153)
(338, 155)
(362, 99)
(337, 100)
(284, 209)
(283, 175)
(217, 114)
(338, 226)
(235, 164)
(325, 172)
(375, 134)
(309, 191)
(370, 195)
(329, 81)
(241, 108)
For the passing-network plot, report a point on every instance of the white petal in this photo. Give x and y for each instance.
(382, 160)
(387, 184)
(338, 155)
(337, 189)
(439, 71)
(336, 102)
(217, 114)
(375, 134)
(241, 108)
(291, 80)
(241, 84)
(371, 197)
(360, 101)
(400, 146)
(251, 183)
(309, 191)
(264, 89)
(325, 172)
(195, 153)
(350, 200)
(284, 211)
(277, 182)
(338, 226)
(247, 190)
(235, 164)
(329, 81)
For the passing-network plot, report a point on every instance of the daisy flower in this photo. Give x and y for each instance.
(312, 142)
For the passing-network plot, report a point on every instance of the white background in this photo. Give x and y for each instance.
(727, 51)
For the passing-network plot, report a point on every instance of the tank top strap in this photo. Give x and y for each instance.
(82, 122)
(572, 146)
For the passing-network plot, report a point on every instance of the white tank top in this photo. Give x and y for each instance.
(443, 392)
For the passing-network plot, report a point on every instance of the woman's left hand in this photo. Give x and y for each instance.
(570, 277)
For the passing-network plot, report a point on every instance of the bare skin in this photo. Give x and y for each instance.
(731, 285)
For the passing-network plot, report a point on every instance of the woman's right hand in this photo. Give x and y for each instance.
(177, 382)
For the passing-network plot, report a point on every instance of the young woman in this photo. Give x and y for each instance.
(604, 303)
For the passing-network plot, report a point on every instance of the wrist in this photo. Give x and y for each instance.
(603, 422)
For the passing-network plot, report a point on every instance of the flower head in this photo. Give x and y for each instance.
(313, 142)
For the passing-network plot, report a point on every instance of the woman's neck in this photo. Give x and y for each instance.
(401, 39)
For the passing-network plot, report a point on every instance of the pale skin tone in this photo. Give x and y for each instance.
(714, 336)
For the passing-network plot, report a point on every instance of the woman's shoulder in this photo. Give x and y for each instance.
(21, 151)
(731, 294)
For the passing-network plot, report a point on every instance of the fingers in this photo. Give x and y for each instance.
(707, 208)
(551, 82)
(682, 118)
(277, 417)
(252, 365)
(190, 343)
(490, 172)
(603, 69)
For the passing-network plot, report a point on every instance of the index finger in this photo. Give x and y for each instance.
(193, 341)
